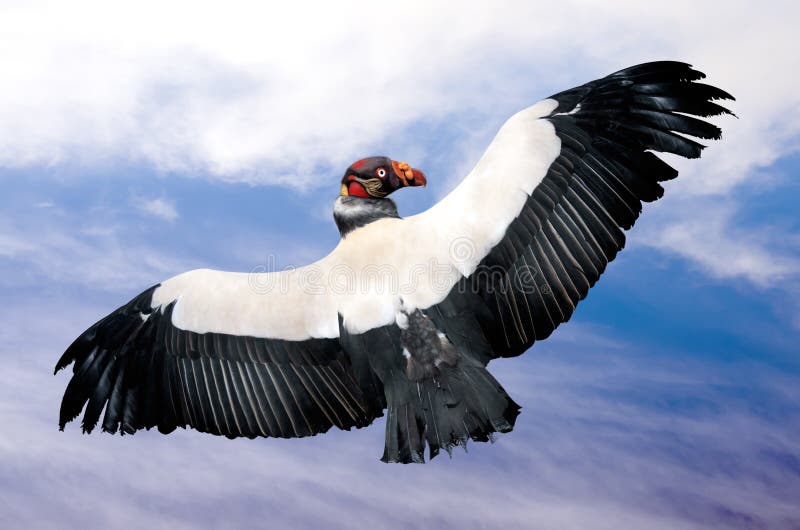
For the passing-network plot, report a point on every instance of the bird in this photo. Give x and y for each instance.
(403, 316)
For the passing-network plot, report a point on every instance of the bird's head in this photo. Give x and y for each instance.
(378, 176)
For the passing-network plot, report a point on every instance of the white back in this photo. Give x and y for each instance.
(385, 265)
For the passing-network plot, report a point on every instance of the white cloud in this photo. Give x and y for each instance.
(12, 245)
(61, 254)
(105, 249)
(267, 94)
(272, 94)
(160, 207)
(710, 238)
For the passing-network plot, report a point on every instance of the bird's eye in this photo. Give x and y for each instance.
(380, 172)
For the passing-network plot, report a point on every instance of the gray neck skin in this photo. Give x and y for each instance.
(353, 212)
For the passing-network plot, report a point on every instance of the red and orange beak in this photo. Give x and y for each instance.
(408, 175)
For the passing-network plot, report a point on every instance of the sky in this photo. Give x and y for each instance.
(142, 141)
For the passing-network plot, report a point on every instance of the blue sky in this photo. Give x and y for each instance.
(145, 142)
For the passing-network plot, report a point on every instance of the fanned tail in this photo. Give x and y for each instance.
(463, 402)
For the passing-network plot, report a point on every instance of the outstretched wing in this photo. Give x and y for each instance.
(144, 371)
(570, 226)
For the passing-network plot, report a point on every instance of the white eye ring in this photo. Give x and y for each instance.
(381, 172)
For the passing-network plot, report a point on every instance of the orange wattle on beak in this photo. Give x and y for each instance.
(408, 175)
(418, 178)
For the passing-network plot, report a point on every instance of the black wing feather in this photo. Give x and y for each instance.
(572, 225)
(144, 372)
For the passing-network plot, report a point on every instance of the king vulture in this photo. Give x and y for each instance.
(403, 316)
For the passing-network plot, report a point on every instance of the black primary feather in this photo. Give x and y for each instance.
(573, 224)
(144, 372)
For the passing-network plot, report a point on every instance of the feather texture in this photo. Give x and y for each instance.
(572, 224)
(147, 373)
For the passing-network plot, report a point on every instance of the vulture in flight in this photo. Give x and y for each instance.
(404, 315)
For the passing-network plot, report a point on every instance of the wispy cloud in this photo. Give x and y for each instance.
(160, 207)
(60, 253)
(711, 239)
(607, 439)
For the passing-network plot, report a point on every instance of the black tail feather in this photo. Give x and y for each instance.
(465, 402)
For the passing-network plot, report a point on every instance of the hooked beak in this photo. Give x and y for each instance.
(409, 176)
